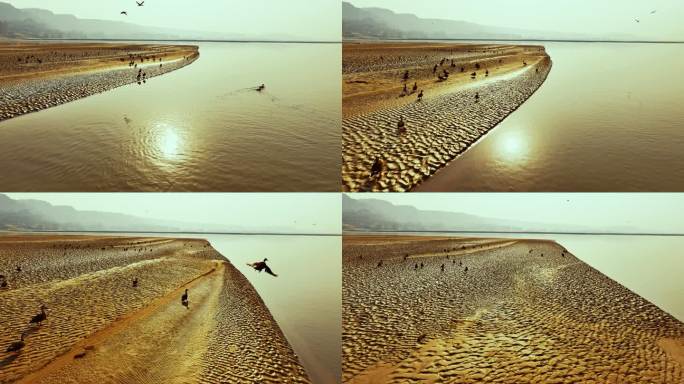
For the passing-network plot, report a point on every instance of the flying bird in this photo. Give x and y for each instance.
(124, 13)
(653, 11)
(637, 20)
(261, 266)
(140, 4)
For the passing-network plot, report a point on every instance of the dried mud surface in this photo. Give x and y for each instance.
(36, 76)
(525, 312)
(101, 328)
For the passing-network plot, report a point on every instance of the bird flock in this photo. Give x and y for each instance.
(140, 4)
(638, 20)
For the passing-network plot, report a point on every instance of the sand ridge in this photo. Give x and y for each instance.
(35, 76)
(453, 114)
(101, 327)
(523, 312)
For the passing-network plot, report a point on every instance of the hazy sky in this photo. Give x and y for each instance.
(309, 19)
(300, 212)
(571, 16)
(648, 212)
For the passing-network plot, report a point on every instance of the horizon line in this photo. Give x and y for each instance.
(523, 40)
(180, 232)
(673, 234)
(192, 40)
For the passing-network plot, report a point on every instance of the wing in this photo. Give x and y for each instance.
(268, 270)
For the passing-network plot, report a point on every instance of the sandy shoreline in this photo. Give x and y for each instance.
(448, 119)
(36, 76)
(100, 326)
(525, 311)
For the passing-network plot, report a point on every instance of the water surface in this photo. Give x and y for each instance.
(200, 128)
(608, 118)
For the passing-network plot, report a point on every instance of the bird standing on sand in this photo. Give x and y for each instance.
(420, 95)
(261, 266)
(39, 318)
(135, 282)
(401, 125)
(18, 268)
(17, 345)
(380, 264)
(184, 298)
(377, 167)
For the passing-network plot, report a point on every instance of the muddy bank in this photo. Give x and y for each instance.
(36, 76)
(101, 325)
(466, 91)
(524, 311)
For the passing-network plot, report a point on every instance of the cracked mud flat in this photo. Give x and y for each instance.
(445, 123)
(36, 76)
(525, 312)
(101, 328)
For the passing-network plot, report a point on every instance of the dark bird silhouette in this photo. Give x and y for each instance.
(442, 267)
(261, 266)
(420, 95)
(380, 264)
(135, 282)
(261, 88)
(39, 318)
(140, 4)
(124, 13)
(18, 268)
(466, 269)
(401, 125)
(653, 12)
(17, 345)
(184, 298)
(637, 20)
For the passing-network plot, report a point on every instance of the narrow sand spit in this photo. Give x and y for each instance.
(36, 76)
(526, 311)
(453, 114)
(101, 328)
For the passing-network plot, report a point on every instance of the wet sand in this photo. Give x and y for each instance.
(525, 311)
(36, 76)
(99, 327)
(445, 123)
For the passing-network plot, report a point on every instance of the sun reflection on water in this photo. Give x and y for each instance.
(513, 147)
(169, 142)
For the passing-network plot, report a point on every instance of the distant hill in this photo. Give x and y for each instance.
(31, 215)
(379, 215)
(41, 23)
(380, 23)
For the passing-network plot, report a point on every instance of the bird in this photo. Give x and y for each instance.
(653, 12)
(420, 95)
(377, 167)
(140, 4)
(260, 88)
(184, 298)
(261, 266)
(135, 282)
(18, 268)
(17, 345)
(124, 13)
(637, 20)
(39, 318)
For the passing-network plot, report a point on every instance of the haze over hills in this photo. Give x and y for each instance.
(380, 23)
(44, 24)
(37, 215)
(379, 215)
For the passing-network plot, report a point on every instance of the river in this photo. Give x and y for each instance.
(200, 128)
